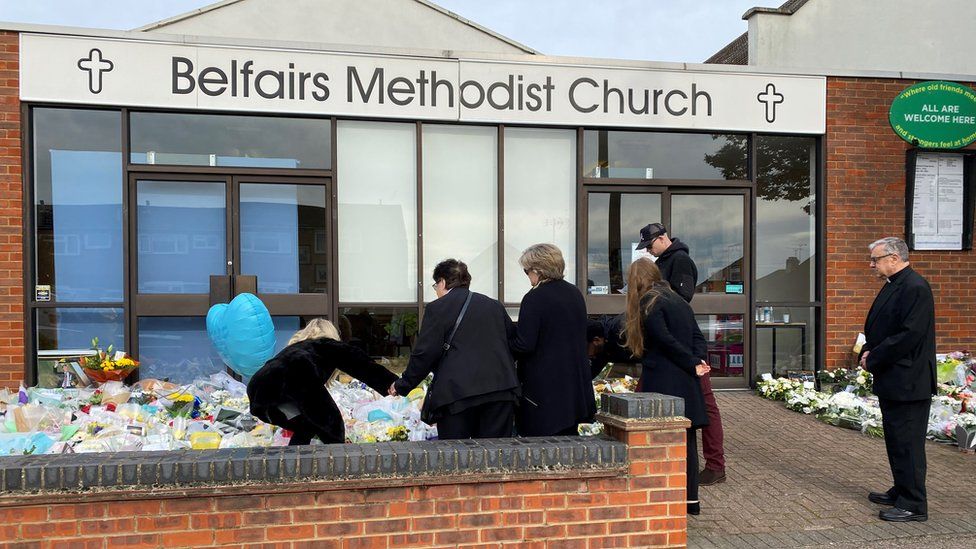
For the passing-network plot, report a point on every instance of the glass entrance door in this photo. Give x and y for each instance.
(713, 224)
(198, 241)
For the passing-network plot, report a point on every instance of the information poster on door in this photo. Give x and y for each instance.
(937, 204)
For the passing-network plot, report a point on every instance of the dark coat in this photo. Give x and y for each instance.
(551, 347)
(673, 345)
(679, 269)
(479, 361)
(900, 333)
(295, 379)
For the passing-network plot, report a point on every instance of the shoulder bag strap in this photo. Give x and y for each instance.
(464, 308)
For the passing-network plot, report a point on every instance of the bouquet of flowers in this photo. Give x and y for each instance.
(109, 364)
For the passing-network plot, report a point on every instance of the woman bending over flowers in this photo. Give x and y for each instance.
(289, 390)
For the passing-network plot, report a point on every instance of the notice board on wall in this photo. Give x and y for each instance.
(939, 200)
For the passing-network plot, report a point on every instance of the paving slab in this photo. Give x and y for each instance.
(794, 481)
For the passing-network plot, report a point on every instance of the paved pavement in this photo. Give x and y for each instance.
(796, 482)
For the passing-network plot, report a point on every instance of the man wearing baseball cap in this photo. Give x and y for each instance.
(680, 271)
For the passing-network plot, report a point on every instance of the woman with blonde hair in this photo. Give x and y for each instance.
(551, 347)
(289, 390)
(661, 329)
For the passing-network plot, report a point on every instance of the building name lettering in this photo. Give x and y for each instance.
(426, 88)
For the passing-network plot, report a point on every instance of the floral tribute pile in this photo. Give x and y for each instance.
(156, 415)
(848, 402)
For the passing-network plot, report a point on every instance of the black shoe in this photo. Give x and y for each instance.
(708, 477)
(694, 508)
(900, 515)
(881, 498)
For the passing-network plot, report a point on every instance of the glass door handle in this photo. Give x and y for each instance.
(245, 284)
(219, 289)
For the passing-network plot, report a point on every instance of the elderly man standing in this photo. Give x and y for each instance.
(680, 271)
(900, 353)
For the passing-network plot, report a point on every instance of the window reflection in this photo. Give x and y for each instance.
(381, 332)
(713, 228)
(181, 236)
(229, 140)
(723, 336)
(283, 237)
(785, 219)
(785, 340)
(660, 155)
(176, 349)
(74, 328)
(78, 203)
(614, 223)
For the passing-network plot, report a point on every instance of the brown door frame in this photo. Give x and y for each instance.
(148, 305)
(703, 303)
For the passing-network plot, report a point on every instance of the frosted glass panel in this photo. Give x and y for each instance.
(461, 203)
(538, 163)
(377, 190)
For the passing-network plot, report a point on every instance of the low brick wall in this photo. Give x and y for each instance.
(622, 490)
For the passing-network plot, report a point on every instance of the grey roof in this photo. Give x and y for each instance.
(736, 52)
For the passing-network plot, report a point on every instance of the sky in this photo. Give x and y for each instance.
(650, 30)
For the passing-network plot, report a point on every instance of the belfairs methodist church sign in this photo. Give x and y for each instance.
(935, 115)
(143, 73)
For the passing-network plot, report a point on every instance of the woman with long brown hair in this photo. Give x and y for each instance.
(661, 329)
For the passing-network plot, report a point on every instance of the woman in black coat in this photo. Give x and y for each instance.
(289, 390)
(475, 388)
(551, 347)
(662, 330)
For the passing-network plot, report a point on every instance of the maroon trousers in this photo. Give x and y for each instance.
(712, 434)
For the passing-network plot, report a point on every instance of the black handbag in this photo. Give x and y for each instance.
(428, 415)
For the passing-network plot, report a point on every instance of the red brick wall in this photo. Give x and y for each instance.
(11, 217)
(866, 201)
(640, 505)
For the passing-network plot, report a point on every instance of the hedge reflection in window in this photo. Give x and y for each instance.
(386, 332)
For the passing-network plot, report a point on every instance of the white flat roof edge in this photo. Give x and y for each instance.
(486, 56)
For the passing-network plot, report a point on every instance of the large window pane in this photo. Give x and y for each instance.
(182, 237)
(785, 340)
(614, 222)
(461, 202)
(786, 228)
(230, 140)
(283, 237)
(713, 228)
(377, 191)
(381, 332)
(78, 202)
(177, 349)
(659, 155)
(74, 328)
(538, 163)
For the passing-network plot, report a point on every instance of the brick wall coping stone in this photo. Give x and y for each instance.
(430, 462)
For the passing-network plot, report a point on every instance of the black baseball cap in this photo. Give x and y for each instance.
(649, 233)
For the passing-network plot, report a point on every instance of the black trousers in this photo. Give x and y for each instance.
(905, 424)
(692, 464)
(488, 420)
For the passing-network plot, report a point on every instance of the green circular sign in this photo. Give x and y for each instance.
(935, 115)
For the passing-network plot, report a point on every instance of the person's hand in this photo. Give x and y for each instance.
(864, 360)
(392, 390)
(702, 368)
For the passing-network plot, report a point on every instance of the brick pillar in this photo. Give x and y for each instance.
(655, 431)
(11, 217)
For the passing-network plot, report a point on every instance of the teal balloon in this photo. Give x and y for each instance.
(243, 333)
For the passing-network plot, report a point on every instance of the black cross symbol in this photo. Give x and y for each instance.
(95, 65)
(770, 98)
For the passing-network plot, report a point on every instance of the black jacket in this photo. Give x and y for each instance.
(479, 361)
(296, 378)
(900, 333)
(552, 362)
(673, 345)
(679, 269)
